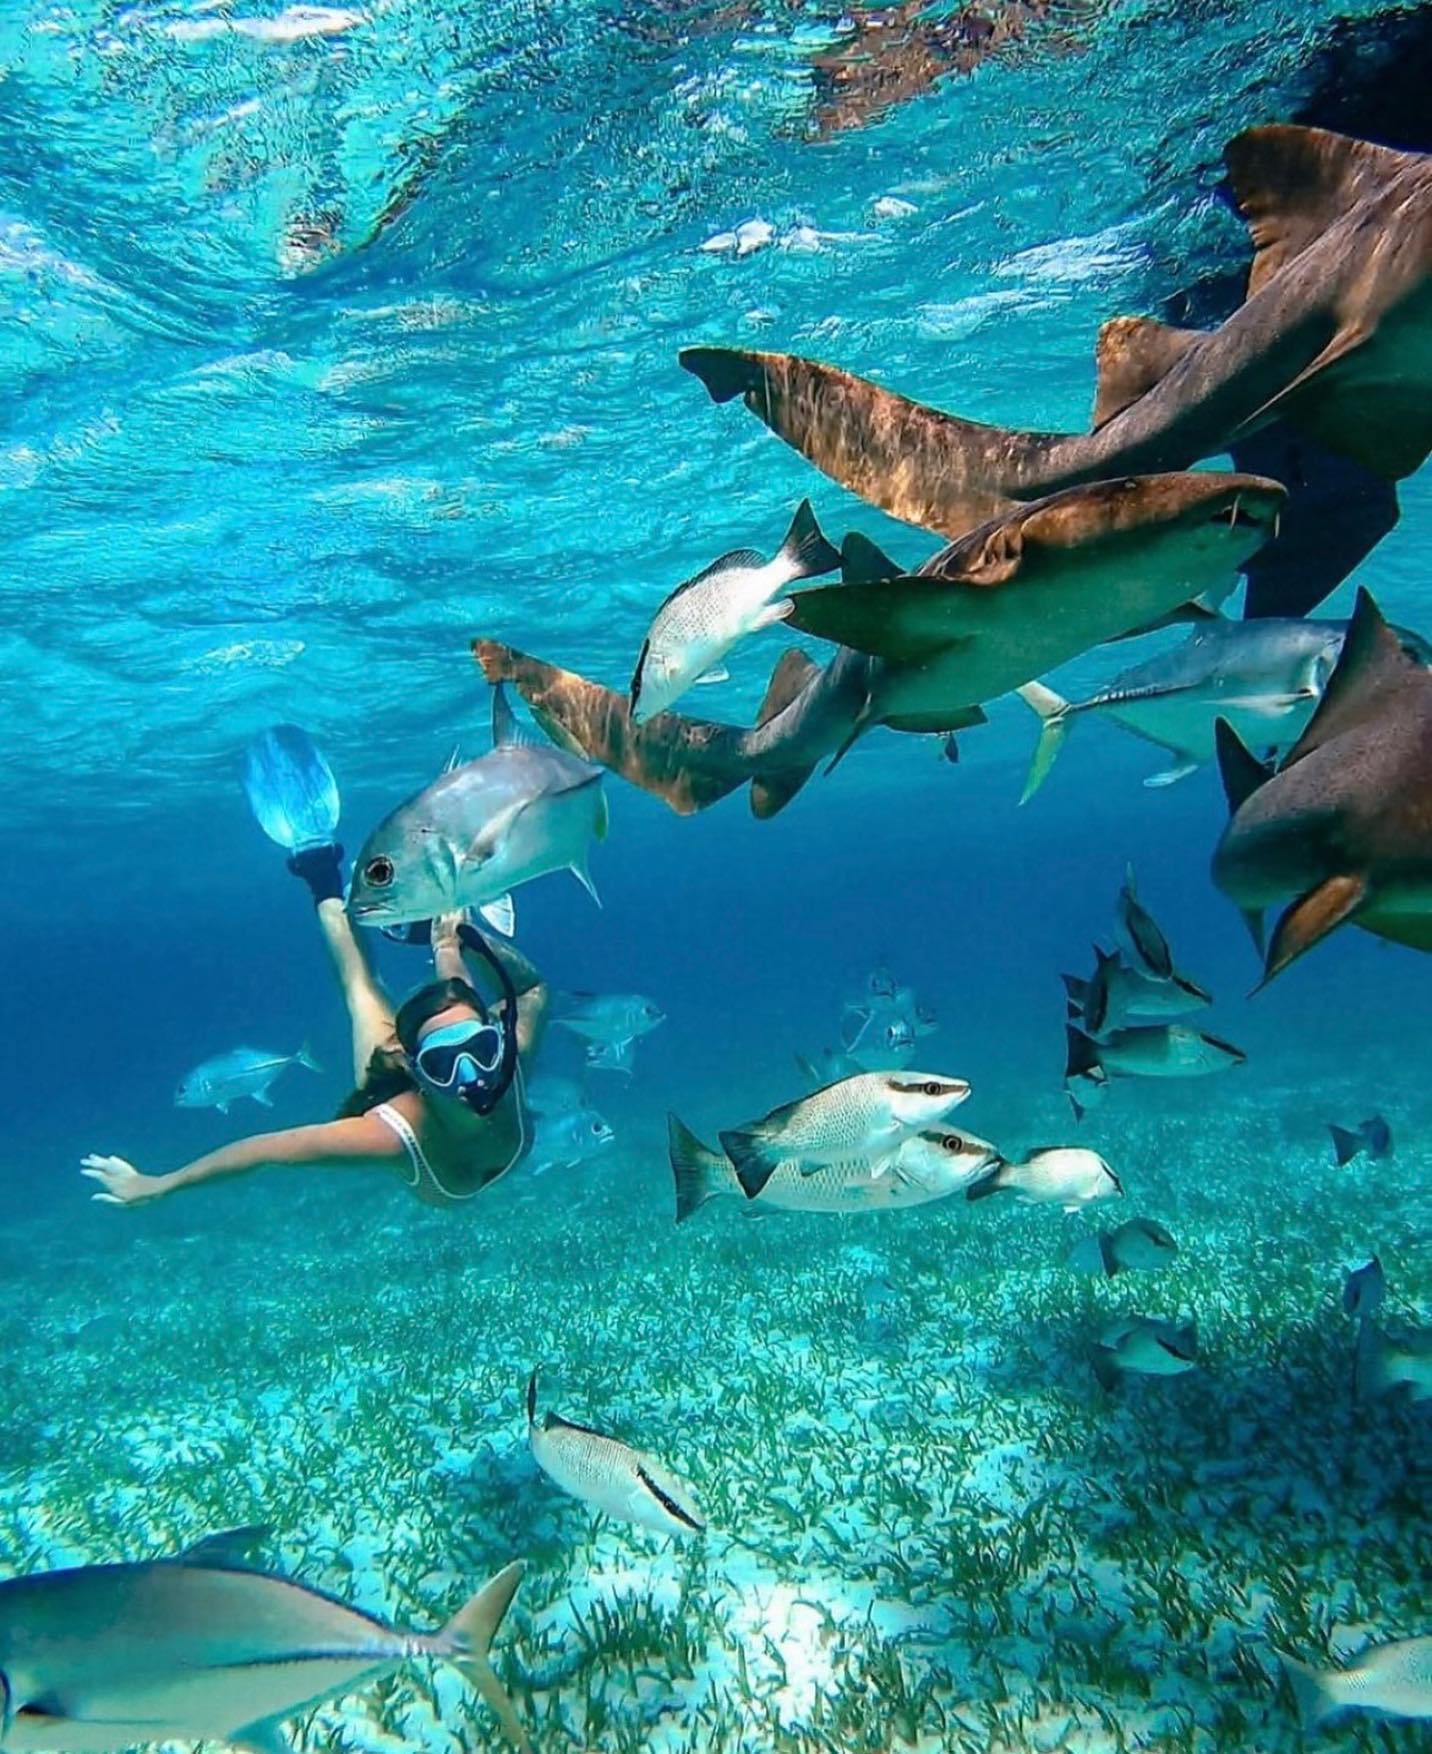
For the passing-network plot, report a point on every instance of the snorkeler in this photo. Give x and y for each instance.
(439, 1098)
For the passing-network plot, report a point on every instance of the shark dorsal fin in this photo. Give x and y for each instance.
(1371, 662)
(1238, 767)
(1292, 183)
(1131, 356)
(863, 563)
(788, 678)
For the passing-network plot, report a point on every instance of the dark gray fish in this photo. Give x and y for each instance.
(1140, 1245)
(1139, 935)
(1364, 1288)
(1373, 1136)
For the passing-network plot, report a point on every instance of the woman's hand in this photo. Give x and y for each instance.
(120, 1182)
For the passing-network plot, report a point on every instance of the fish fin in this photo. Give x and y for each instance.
(222, 1107)
(304, 1057)
(1076, 988)
(1081, 1052)
(489, 837)
(1371, 661)
(1309, 919)
(506, 733)
(677, 1512)
(752, 1161)
(262, 1738)
(532, 1399)
(950, 749)
(501, 915)
(1106, 1371)
(584, 877)
(262, 1097)
(453, 760)
(1131, 356)
(1292, 183)
(711, 678)
(808, 1071)
(1170, 776)
(1054, 727)
(1238, 767)
(770, 793)
(1346, 1145)
(1107, 1258)
(226, 1549)
(805, 550)
(862, 562)
(963, 718)
(700, 1174)
(987, 1184)
(467, 1638)
(1078, 1107)
(859, 726)
(904, 619)
(1312, 1695)
(793, 671)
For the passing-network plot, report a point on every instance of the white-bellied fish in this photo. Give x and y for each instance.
(608, 1019)
(570, 1138)
(1055, 1175)
(706, 616)
(1139, 935)
(1138, 1246)
(100, 1657)
(929, 1165)
(481, 829)
(1116, 992)
(1391, 1680)
(610, 1475)
(865, 1115)
(241, 1072)
(1144, 1346)
(1364, 1289)
(1373, 1136)
(1384, 1366)
(1155, 1050)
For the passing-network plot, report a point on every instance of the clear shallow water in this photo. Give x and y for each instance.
(241, 485)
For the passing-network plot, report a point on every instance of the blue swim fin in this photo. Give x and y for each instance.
(291, 788)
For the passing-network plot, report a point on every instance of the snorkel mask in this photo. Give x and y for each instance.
(475, 1059)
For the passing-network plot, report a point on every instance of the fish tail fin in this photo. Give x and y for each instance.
(532, 1399)
(992, 1182)
(582, 873)
(805, 551)
(1054, 722)
(304, 1057)
(1106, 1371)
(700, 1174)
(1081, 1052)
(467, 1638)
(1346, 1145)
(1312, 1693)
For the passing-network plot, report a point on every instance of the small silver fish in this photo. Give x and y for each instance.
(1364, 1288)
(706, 616)
(1055, 1175)
(609, 1475)
(481, 829)
(1393, 1680)
(1144, 1346)
(241, 1072)
(929, 1165)
(1168, 1050)
(608, 1017)
(1140, 1245)
(100, 1657)
(565, 1140)
(869, 1113)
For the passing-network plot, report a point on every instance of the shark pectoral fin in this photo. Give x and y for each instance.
(1170, 776)
(1310, 918)
(262, 1738)
(904, 619)
(1131, 356)
(1292, 183)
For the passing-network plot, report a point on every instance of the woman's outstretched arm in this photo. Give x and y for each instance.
(357, 1143)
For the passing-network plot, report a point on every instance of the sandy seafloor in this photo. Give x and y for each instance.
(930, 1528)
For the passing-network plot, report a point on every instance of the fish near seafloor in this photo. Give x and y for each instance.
(1137, 1246)
(1383, 1366)
(1330, 342)
(518, 812)
(1054, 1175)
(1364, 1288)
(101, 1657)
(1342, 826)
(611, 1476)
(1144, 1346)
(705, 617)
(1265, 677)
(1042, 583)
(242, 1072)
(1392, 1680)
(929, 1165)
(864, 1116)
(608, 1017)
(1373, 1136)
(1157, 1050)
(1117, 992)
(564, 1140)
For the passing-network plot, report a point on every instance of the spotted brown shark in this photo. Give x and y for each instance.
(1342, 831)
(1333, 342)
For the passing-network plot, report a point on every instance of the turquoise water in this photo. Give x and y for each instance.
(334, 342)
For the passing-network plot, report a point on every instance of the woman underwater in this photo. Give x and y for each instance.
(439, 1099)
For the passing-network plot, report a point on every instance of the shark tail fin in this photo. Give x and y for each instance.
(467, 1638)
(1312, 1694)
(805, 551)
(1054, 723)
(1132, 355)
(700, 1173)
(1346, 1145)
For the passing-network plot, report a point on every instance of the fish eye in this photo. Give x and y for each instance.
(379, 872)
(932, 1088)
(953, 1142)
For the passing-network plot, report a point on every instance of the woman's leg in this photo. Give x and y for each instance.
(368, 1008)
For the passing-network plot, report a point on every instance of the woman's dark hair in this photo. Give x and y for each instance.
(388, 1073)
